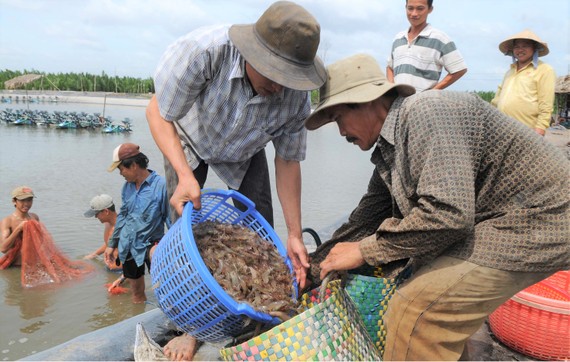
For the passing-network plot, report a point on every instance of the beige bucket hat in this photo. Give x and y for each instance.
(506, 47)
(356, 79)
(282, 46)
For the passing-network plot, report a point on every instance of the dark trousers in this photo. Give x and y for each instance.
(255, 185)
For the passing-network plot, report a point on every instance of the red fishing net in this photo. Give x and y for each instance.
(9, 257)
(42, 261)
(116, 290)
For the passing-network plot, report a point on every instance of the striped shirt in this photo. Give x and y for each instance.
(419, 64)
(202, 87)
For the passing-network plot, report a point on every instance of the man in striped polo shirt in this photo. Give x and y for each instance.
(420, 53)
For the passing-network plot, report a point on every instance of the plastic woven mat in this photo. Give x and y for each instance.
(330, 330)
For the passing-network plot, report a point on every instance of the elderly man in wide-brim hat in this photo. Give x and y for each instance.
(527, 90)
(454, 194)
(222, 94)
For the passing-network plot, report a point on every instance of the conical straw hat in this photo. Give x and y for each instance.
(506, 47)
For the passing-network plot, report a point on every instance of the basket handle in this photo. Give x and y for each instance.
(325, 283)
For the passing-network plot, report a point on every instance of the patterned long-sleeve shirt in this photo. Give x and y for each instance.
(456, 177)
(202, 87)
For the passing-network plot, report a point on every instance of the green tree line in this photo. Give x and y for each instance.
(86, 82)
(80, 82)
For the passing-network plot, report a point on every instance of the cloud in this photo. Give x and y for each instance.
(129, 36)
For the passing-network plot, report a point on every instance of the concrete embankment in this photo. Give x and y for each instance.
(123, 99)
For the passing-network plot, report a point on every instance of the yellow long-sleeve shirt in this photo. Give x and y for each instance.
(528, 94)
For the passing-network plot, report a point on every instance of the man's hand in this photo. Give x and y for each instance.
(188, 189)
(20, 228)
(110, 255)
(343, 256)
(300, 258)
(116, 283)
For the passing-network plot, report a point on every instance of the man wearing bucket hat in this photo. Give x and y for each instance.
(222, 94)
(527, 90)
(141, 219)
(12, 226)
(454, 194)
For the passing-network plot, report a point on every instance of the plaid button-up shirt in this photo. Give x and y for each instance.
(201, 86)
(456, 177)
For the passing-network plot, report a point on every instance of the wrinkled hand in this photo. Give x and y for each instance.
(188, 189)
(343, 256)
(300, 258)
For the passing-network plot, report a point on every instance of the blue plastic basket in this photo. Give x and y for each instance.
(185, 289)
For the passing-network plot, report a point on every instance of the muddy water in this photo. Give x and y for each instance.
(68, 167)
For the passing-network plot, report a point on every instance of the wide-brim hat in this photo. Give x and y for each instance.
(282, 46)
(506, 46)
(356, 79)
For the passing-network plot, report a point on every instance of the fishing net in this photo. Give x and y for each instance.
(10, 256)
(42, 261)
(116, 290)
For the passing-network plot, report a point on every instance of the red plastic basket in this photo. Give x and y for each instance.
(536, 321)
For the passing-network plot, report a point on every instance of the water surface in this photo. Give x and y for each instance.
(66, 168)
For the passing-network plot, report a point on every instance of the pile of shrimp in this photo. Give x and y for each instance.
(247, 267)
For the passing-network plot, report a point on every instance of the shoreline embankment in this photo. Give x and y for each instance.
(123, 99)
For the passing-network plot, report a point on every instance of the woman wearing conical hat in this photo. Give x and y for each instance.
(527, 90)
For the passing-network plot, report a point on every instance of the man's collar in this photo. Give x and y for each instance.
(389, 127)
(531, 64)
(426, 32)
(238, 68)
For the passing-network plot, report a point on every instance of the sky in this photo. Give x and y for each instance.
(128, 37)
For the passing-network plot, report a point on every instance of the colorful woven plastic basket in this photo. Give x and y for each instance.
(185, 289)
(371, 296)
(536, 321)
(325, 331)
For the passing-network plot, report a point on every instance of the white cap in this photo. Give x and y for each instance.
(99, 203)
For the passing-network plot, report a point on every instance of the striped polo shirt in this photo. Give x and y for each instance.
(419, 64)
